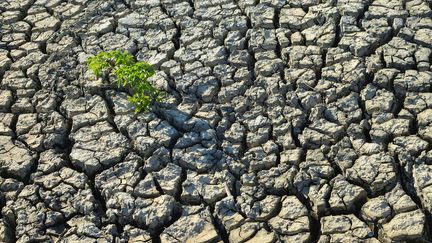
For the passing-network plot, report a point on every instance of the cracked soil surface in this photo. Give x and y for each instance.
(285, 121)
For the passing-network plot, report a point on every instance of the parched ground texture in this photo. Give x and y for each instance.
(285, 121)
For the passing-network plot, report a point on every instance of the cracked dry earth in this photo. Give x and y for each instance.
(285, 121)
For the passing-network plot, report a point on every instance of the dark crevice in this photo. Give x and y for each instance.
(406, 182)
(191, 4)
(43, 47)
(126, 3)
(413, 127)
(315, 225)
(338, 34)
(98, 196)
(14, 123)
(155, 233)
(217, 223)
(295, 137)
(365, 116)
(219, 227)
(10, 230)
(176, 38)
(408, 186)
(111, 113)
(276, 18)
(33, 169)
(183, 178)
(158, 187)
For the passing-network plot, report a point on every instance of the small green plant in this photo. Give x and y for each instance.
(129, 73)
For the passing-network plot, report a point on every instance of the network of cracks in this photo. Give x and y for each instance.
(284, 121)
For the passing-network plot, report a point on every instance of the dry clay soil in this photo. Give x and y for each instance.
(284, 121)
